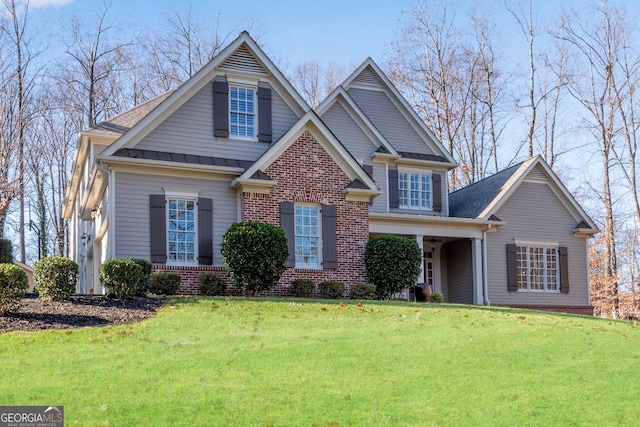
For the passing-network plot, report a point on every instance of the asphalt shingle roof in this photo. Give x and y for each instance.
(470, 201)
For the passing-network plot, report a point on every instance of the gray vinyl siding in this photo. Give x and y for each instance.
(377, 106)
(459, 273)
(537, 173)
(534, 212)
(380, 202)
(190, 130)
(132, 210)
(348, 132)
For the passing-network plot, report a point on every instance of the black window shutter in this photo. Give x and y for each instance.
(158, 228)
(205, 231)
(564, 270)
(512, 268)
(394, 197)
(436, 179)
(220, 109)
(329, 253)
(287, 224)
(264, 114)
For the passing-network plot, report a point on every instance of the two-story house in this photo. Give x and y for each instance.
(166, 179)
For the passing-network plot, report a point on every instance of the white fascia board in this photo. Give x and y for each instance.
(394, 223)
(79, 159)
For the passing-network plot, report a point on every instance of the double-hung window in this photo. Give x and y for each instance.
(308, 236)
(537, 267)
(242, 112)
(415, 190)
(182, 230)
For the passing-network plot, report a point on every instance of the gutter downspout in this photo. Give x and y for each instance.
(485, 274)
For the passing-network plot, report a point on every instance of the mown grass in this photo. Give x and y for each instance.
(218, 362)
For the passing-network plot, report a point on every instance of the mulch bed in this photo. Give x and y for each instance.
(77, 311)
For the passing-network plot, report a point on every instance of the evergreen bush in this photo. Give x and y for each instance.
(143, 285)
(330, 289)
(13, 285)
(254, 254)
(302, 288)
(362, 291)
(121, 277)
(436, 297)
(55, 277)
(392, 264)
(211, 284)
(164, 283)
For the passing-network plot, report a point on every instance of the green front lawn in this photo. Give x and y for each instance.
(213, 362)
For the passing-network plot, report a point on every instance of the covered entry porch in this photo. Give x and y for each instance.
(453, 249)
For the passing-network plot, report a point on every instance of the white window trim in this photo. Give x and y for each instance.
(427, 172)
(546, 244)
(183, 194)
(245, 85)
(320, 249)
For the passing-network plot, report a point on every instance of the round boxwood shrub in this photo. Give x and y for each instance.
(362, 291)
(254, 254)
(392, 264)
(6, 251)
(436, 297)
(302, 288)
(143, 285)
(164, 283)
(211, 284)
(55, 277)
(13, 285)
(330, 289)
(121, 277)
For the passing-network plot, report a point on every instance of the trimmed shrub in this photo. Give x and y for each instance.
(121, 277)
(362, 291)
(392, 264)
(164, 283)
(13, 285)
(211, 284)
(302, 288)
(254, 254)
(6, 252)
(436, 297)
(143, 285)
(331, 290)
(55, 277)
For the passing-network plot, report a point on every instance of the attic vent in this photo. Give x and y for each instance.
(367, 76)
(537, 173)
(243, 60)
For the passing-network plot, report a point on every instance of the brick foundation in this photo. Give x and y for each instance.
(585, 310)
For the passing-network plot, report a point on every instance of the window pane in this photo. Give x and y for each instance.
(307, 235)
(181, 233)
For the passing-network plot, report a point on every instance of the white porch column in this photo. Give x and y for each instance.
(476, 266)
(420, 240)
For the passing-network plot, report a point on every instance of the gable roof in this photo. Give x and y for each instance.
(484, 198)
(340, 95)
(369, 74)
(311, 122)
(242, 52)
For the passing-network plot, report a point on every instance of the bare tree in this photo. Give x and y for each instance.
(315, 81)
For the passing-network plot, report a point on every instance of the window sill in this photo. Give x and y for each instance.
(240, 138)
(538, 291)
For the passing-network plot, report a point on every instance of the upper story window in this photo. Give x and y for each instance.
(242, 112)
(415, 190)
(537, 267)
(307, 236)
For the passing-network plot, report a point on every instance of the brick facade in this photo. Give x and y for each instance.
(306, 173)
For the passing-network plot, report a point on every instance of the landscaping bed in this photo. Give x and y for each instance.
(77, 311)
